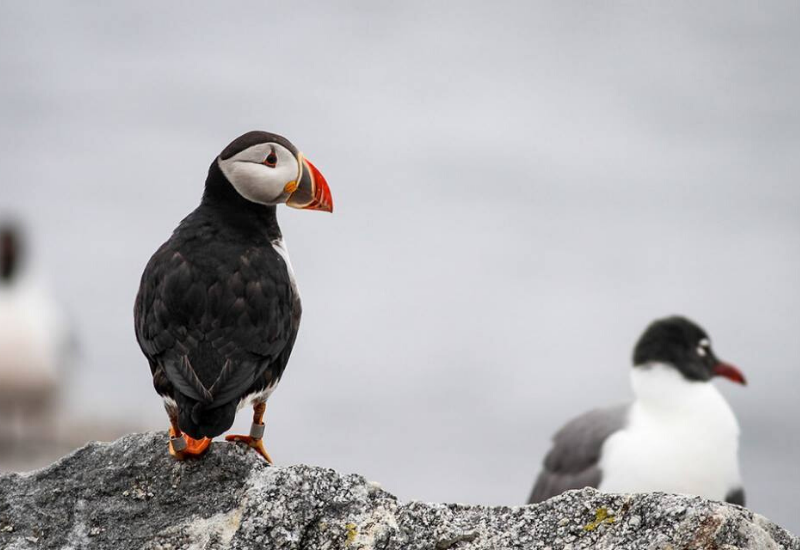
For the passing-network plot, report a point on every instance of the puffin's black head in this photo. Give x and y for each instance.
(10, 252)
(267, 169)
(679, 342)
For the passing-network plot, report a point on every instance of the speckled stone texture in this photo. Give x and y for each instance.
(132, 494)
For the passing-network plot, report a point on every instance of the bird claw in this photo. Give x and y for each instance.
(255, 443)
(191, 448)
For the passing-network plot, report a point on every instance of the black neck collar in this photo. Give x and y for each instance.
(220, 196)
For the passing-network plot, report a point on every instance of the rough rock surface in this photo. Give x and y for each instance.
(131, 494)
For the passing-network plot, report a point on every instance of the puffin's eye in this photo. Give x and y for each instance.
(272, 159)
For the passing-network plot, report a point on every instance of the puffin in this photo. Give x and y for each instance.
(679, 435)
(37, 345)
(218, 309)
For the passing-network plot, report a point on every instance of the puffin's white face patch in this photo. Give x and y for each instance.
(261, 173)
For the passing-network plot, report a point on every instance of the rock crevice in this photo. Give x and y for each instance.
(130, 494)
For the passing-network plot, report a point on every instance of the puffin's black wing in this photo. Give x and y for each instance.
(572, 462)
(215, 322)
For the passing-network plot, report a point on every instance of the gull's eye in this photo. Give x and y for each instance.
(702, 347)
(272, 159)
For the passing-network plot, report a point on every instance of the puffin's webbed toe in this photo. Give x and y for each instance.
(182, 446)
(257, 444)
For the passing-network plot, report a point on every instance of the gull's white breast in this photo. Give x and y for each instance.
(681, 437)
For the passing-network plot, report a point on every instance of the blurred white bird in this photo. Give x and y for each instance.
(35, 344)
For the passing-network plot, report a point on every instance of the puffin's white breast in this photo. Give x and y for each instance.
(280, 247)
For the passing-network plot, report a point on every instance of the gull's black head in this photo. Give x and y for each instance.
(266, 169)
(10, 252)
(679, 342)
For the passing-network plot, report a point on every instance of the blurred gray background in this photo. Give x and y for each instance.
(520, 188)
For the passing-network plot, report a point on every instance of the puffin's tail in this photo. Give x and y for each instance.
(199, 421)
(202, 412)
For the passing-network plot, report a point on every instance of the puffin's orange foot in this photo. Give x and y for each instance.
(257, 444)
(185, 447)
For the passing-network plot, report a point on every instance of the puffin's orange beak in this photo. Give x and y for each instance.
(730, 372)
(312, 191)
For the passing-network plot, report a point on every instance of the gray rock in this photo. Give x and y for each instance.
(132, 494)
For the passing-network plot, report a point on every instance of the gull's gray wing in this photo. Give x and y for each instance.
(573, 461)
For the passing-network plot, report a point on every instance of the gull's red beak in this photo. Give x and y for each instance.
(312, 191)
(730, 372)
